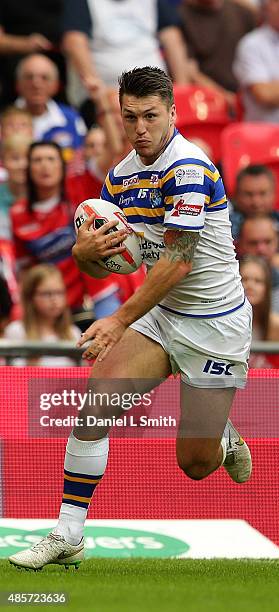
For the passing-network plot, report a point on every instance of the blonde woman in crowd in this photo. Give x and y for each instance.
(46, 314)
(256, 279)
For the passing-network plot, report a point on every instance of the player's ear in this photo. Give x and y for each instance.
(172, 115)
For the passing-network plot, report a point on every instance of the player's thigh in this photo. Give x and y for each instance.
(135, 365)
(204, 413)
(134, 356)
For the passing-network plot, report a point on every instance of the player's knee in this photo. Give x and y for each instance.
(195, 469)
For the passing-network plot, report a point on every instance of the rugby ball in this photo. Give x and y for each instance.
(121, 263)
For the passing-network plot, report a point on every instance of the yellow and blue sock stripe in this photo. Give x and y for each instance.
(79, 488)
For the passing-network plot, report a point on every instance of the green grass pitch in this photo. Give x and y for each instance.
(138, 585)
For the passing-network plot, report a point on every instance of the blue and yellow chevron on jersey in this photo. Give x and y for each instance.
(182, 190)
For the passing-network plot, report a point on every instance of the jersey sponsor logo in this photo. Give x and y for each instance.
(183, 208)
(126, 201)
(218, 368)
(133, 180)
(151, 250)
(189, 174)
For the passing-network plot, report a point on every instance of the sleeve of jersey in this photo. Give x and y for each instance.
(185, 191)
(190, 187)
(107, 189)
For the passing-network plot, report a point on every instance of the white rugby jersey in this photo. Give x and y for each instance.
(182, 190)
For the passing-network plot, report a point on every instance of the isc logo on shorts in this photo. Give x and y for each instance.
(218, 368)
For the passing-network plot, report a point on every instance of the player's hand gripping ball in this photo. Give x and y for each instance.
(122, 263)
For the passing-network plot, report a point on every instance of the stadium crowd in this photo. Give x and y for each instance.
(61, 131)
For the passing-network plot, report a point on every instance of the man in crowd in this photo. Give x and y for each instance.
(255, 195)
(204, 24)
(105, 38)
(37, 82)
(256, 67)
(259, 236)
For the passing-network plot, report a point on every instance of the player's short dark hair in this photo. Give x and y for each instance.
(146, 81)
(255, 170)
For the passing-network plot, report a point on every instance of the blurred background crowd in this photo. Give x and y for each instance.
(61, 130)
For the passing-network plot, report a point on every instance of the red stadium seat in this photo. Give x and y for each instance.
(203, 113)
(243, 144)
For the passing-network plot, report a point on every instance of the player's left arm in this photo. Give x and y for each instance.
(172, 267)
(180, 245)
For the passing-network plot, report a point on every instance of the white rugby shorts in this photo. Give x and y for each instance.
(208, 352)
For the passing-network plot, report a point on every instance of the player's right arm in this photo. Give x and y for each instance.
(93, 245)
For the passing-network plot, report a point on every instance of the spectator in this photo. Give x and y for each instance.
(256, 279)
(94, 143)
(256, 67)
(43, 230)
(255, 196)
(87, 183)
(258, 236)
(207, 22)
(46, 315)
(37, 83)
(43, 221)
(105, 38)
(14, 120)
(28, 27)
(14, 156)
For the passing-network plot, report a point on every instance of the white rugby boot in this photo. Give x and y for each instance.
(238, 462)
(51, 549)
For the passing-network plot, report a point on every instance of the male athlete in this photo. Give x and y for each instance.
(189, 316)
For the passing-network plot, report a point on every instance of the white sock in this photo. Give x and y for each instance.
(82, 457)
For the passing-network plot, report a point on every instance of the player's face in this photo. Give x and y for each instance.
(50, 298)
(255, 195)
(253, 280)
(149, 125)
(46, 167)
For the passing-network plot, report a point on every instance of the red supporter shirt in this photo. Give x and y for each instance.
(48, 237)
(82, 187)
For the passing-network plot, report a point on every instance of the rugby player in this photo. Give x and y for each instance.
(189, 316)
